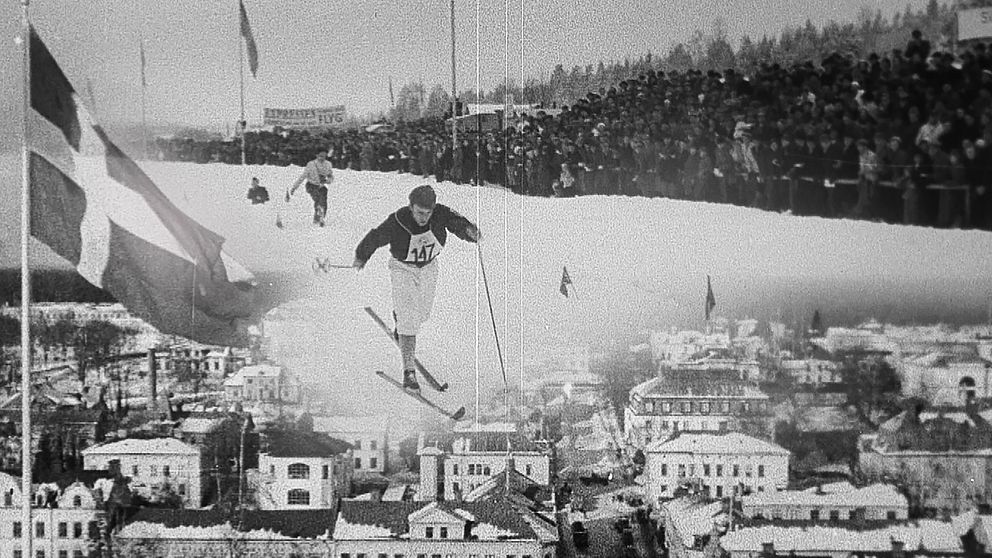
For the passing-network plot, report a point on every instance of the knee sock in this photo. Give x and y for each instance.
(408, 350)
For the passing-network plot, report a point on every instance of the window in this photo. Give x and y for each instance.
(373, 445)
(814, 515)
(429, 533)
(891, 514)
(692, 469)
(706, 469)
(851, 515)
(686, 407)
(373, 462)
(18, 553)
(39, 554)
(737, 470)
(486, 471)
(454, 468)
(63, 554)
(649, 406)
(528, 470)
(298, 497)
(358, 444)
(747, 406)
(358, 462)
(444, 532)
(325, 472)
(834, 515)
(39, 530)
(94, 530)
(471, 468)
(664, 469)
(719, 491)
(77, 530)
(704, 407)
(681, 470)
(457, 487)
(134, 470)
(153, 470)
(719, 470)
(298, 471)
(182, 489)
(17, 529)
(8, 498)
(63, 530)
(272, 470)
(77, 501)
(647, 425)
(666, 408)
(725, 406)
(166, 472)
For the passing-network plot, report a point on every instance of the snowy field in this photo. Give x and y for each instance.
(635, 263)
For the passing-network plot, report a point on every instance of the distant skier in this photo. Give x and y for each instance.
(416, 234)
(317, 174)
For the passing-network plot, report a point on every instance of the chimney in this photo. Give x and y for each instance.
(898, 549)
(152, 381)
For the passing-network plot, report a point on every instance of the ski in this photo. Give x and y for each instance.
(431, 380)
(457, 415)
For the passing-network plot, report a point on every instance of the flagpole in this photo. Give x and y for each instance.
(144, 122)
(242, 124)
(27, 531)
(454, 90)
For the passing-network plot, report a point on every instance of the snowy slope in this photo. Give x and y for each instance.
(634, 262)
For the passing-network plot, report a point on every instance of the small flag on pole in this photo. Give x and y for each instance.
(565, 281)
(250, 46)
(710, 299)
(141, 48)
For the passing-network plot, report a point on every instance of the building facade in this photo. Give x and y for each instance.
(716, 464)
(263, 383)
(368, 436)
(297, 471)
(155, 466)
(680, 400)
(834, 502)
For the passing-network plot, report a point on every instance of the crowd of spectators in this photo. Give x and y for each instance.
(903, 137)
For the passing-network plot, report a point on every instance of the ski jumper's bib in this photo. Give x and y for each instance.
(424, 247)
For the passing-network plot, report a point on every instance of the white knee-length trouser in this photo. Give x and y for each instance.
(413, 294)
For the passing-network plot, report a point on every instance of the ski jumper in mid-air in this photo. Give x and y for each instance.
(317, 174)
(416, 234)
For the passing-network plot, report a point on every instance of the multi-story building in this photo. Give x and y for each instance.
(914, 538)
(368, 436)
(716, 464)
(942, 458)
(697, 401)
(833, 502)
(485, 528)
(215, 534)
(299, 470)
(155, 466)
(458, 464)
(679, 346)
(263, 383)
(946, 378)
(812, 371)
(66, 520)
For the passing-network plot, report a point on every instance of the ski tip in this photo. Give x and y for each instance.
(444, 387)
(459, 414)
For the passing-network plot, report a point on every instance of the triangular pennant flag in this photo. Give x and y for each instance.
(710, 299)
(565, 281)
(250, 45)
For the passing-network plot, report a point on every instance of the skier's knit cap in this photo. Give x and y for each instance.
(423, 196)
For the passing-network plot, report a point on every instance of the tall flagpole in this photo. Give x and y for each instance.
(27, 531)
(454, 90)
(144, 122)
(242, 124)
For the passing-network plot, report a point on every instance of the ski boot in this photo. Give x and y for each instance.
(410, 381)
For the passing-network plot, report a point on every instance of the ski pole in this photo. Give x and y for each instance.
(325, 266)
(489, 298)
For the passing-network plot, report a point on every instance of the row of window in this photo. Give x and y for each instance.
(421, 555)
(8, 499)
(675, 425)
(718, 493)
(373, 445)
(714, 470)
(834, 515)
(63, 530)
(373, 462)
(301, 471)
(474, 469)
(18, 553)
(701, 407)
(153, 471)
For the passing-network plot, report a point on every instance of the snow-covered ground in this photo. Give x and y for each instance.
(634, 263)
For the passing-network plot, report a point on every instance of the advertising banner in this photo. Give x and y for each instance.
(325, 117)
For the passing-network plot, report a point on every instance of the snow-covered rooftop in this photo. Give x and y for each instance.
(253, 371)
(691, 517)
(198, 425)
(131, 446)
(934, 536)
(835, 494)
(730, 443)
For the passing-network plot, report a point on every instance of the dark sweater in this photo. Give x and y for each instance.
(397, 229)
